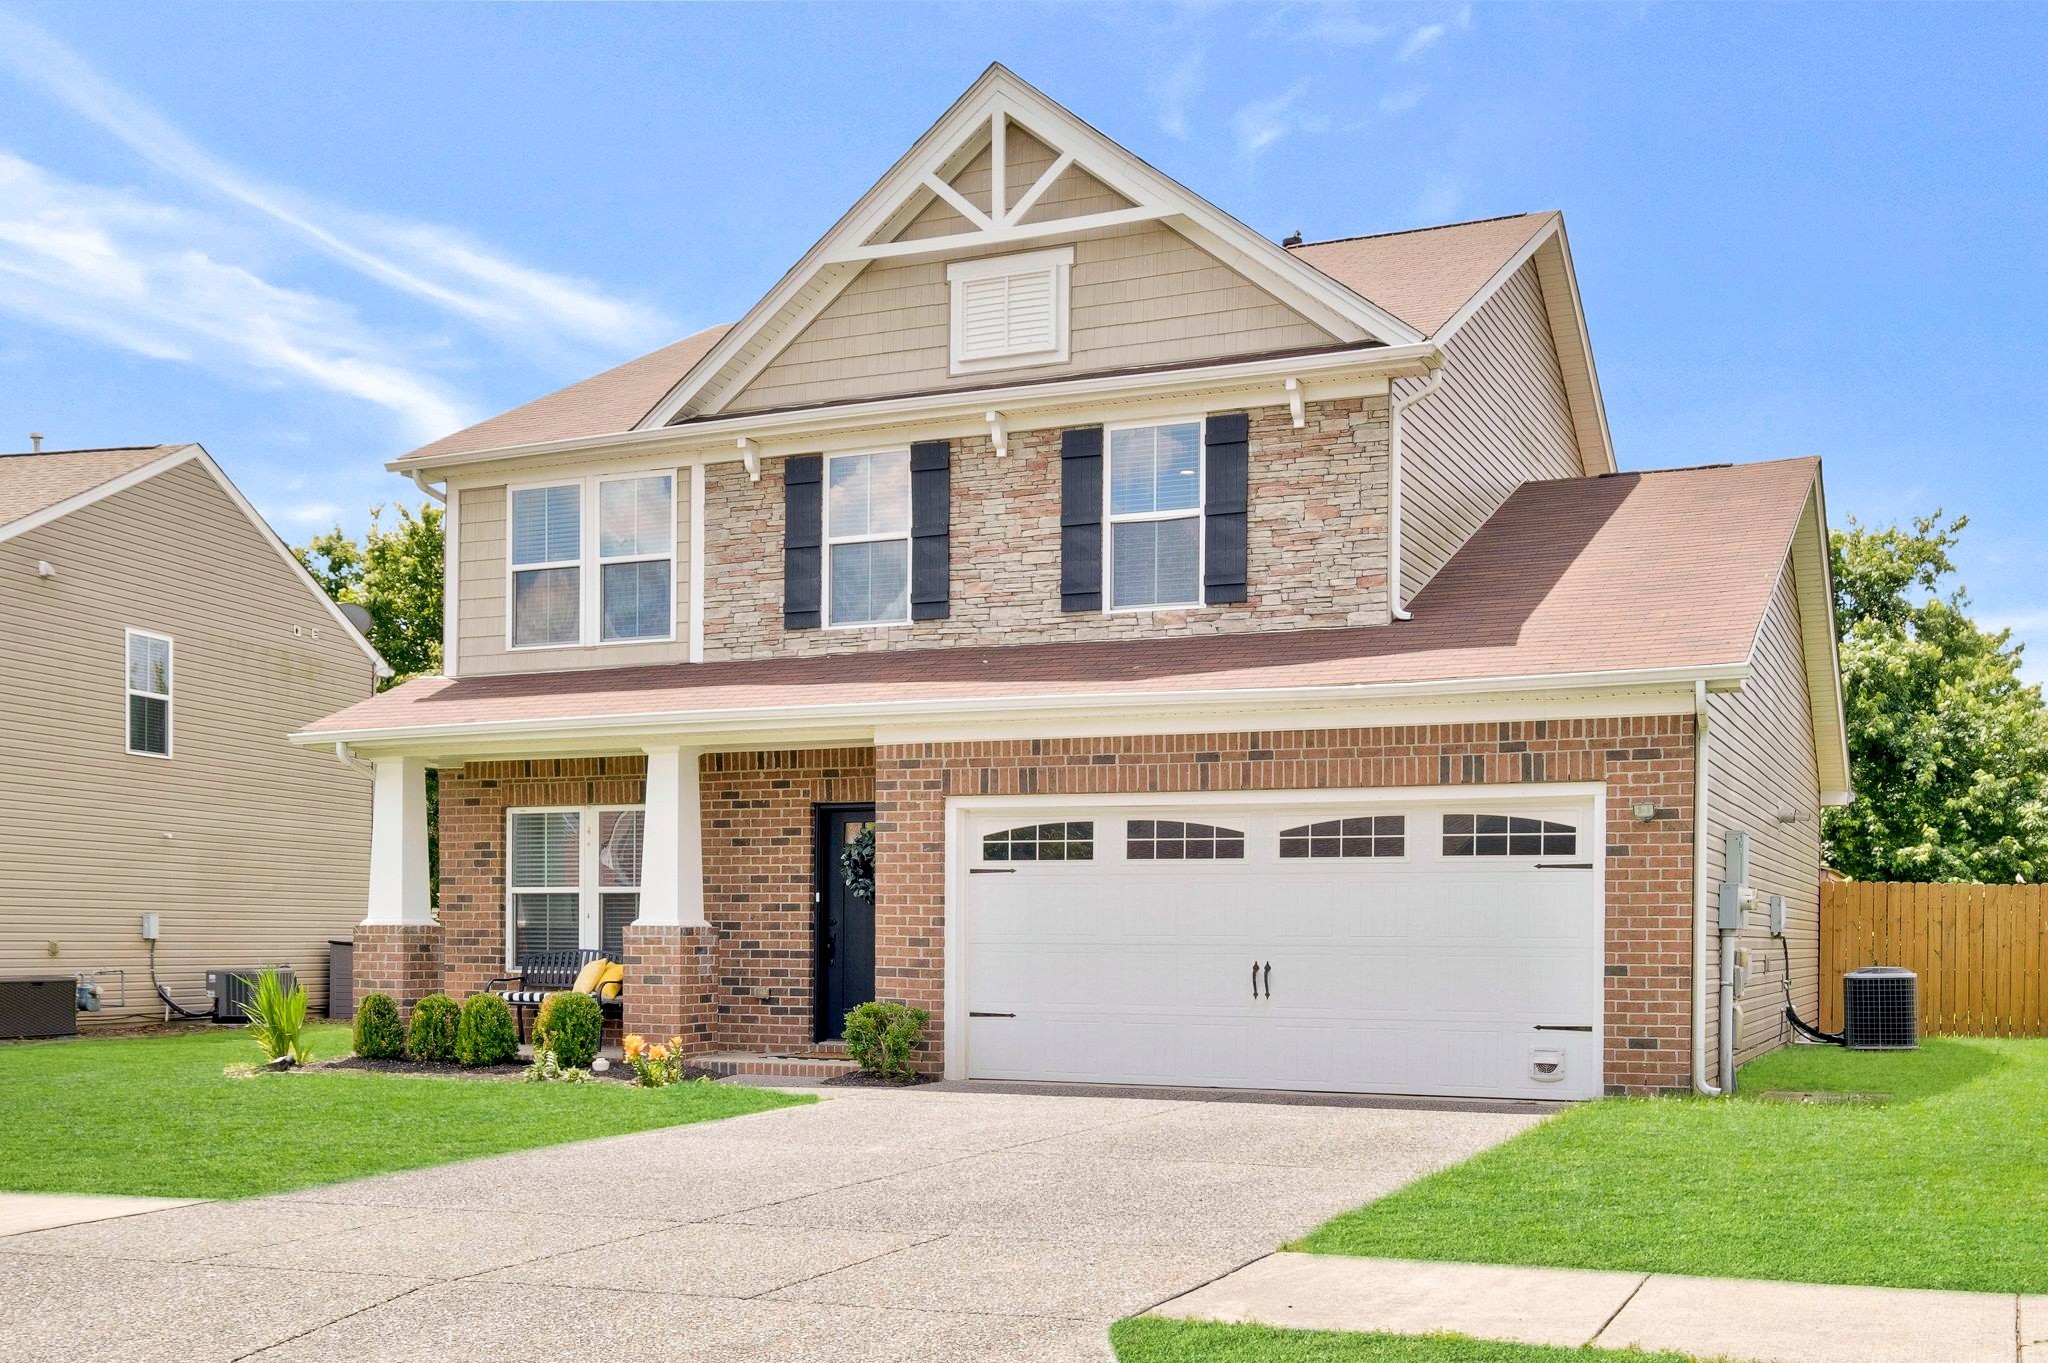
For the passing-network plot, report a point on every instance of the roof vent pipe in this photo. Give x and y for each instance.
(35, 442)
(1394, 410)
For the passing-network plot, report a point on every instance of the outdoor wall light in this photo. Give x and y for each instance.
(1645, 810)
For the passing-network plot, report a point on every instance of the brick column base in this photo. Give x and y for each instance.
(399, 959)
(670, 984)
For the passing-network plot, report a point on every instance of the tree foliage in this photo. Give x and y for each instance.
(394, 574)
(1947, 745)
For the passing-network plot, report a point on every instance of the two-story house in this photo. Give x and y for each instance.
(157, 644)
(1246, 655)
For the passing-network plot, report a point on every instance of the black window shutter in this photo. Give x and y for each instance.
(1081, 519)
(803, 534)
(1226, 476)
(931, 524)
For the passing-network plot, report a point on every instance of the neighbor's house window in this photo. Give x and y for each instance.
(575, 879)
(561, 593)
(149, 694)
(1155, 515)
(867, 538)
(1010, 311)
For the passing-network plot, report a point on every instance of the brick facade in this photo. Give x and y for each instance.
(399, 959)
(1316, 544)
(1649, 865)
(747, 981)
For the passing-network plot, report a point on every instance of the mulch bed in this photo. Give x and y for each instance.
(618, 1073)
(861, 1079)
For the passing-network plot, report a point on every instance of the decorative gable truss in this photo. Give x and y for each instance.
(1007, 168)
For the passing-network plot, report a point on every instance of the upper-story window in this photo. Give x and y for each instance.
(593, 561)
(149, 694)
(867, 538)
(1154, 491)
(1010, 311)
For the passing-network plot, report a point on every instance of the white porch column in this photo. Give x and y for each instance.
(672, 858)
(400, 891)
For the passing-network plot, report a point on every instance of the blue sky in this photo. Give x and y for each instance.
(312, 236)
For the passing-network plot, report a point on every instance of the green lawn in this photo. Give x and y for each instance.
(155, 1116)
(1946, 1186)
(1149, 1340)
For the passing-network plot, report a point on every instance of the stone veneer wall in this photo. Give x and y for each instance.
(1316, 539)
(1649, 865)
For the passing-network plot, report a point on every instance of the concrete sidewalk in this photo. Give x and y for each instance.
(24, 1212)
(1770, 1322)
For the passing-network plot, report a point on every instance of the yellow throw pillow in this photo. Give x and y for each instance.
(587, 978)
(612, 981)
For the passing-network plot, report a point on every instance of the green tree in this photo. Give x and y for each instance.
(1947, 745)
(394, 574)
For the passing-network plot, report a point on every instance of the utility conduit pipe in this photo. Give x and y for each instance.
(1699, 898)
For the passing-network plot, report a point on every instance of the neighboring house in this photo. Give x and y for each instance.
(160, 643)
(1250, 662)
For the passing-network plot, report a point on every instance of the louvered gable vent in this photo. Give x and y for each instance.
(1010, 310)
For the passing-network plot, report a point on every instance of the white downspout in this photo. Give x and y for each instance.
(1394, 410)
(1699, 893)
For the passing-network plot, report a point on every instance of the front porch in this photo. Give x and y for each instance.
(699, 871)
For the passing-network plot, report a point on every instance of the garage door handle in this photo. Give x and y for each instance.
(1269, 979)
(991, 870)
(1564, 865)
(1255, 979)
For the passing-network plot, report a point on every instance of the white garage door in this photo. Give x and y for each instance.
(1428, 948)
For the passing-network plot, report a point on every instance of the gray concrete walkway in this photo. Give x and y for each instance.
(1700, 1317)
(21, 1212)
(878, 1225)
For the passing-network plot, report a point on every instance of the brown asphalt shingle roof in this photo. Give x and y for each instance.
(34, 482)
(1585, 575)
(1422, 277)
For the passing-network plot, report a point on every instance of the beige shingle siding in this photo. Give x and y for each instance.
(481, 581)
(250, 849)
(1142, 295)
(1761, 755)
(1499, 420)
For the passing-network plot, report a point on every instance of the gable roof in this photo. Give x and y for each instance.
(1577, 582)
(33, 482)
(32, 496)
(1426, 275)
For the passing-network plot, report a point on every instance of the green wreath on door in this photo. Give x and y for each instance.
(857, 864)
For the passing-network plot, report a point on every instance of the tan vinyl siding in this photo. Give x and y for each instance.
(1500, 419)
(251, 850)
(481, 584)
(1142, 295)
(1761, 756)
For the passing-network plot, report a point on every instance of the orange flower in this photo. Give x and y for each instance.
(635, 1045)
(657, 1052)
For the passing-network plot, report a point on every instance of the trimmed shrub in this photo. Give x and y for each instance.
(881, 1036)
(378, 1035)
(432, 1034)
(569, 1025)
(485, 1034)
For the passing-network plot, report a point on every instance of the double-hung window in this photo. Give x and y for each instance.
(149, 694)
(867, 538)
(593, 561)
(1154, 491)
(575, 879)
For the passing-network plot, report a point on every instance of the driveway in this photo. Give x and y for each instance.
(919, 1225)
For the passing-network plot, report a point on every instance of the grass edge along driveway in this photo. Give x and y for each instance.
(1939, 1188)
(153, 1116)
(1149, 1339)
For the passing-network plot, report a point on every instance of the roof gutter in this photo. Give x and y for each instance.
(1699, 897)
(1238, 701)
(1017, 402)
(1395, 409)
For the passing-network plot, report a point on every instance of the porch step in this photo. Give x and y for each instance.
(727, 1063)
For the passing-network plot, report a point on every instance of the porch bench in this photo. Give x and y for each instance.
(545, 973)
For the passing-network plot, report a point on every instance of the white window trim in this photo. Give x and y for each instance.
(1110, 519)
(589, 890)
(1059, 261)
(591, 563)
(128, 638)
(832, 541)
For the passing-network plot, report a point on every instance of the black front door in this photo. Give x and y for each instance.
(846, 921)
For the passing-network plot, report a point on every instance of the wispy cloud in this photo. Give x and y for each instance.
(1401, 101)
(1341, 25)
(1420, 41)
(132, 273)
(1173, 89)
(1260, 124)
(515, 303)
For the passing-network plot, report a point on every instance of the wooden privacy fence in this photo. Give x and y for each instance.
(1980, 951)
